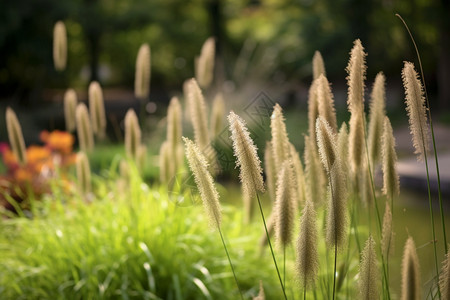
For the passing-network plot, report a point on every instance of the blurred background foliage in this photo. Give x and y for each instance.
(258, 40)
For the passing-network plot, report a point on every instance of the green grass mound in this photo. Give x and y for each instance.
(128, 241)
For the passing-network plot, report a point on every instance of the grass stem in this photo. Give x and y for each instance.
(422, 74)
(229, 260)
(270, 245)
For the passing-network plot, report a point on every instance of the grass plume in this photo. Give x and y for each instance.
(326, 142)
(142, 76)
(356, 70)
(270, 169)
(165, 165)
(217, 115)
(84, 128)
(307, 258)
(59, 46)
(315, 178)
(198, 115)
(415, 106)
(318, 65)
(387, 234)
(411, 287)
(70, 105)
(205, 183)
(326, 102)
(15, 136)
(174, 123)
(204, 68)
(280, 141)
(299, 174)
(261, 294)
(97, 109)
(208, 192)
(285, 206)
(313, 111)
(391, 183)
(342, 148)
(444, 278)
(368, 272)
(337, 215)
(132, 134)
(247, 160)
(376, 117)
(83, 173)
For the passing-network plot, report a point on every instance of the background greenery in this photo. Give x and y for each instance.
(277, 38)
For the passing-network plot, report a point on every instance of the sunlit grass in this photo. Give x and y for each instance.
(129, 242)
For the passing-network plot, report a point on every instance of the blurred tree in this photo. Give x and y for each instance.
(268, 39)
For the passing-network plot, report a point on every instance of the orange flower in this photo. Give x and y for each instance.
(60, 141)
(10, 159)
(23, 175)
(37, 154)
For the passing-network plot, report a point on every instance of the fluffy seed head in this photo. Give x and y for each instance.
(315, 176)
(261, 295)
(444, 278)
(59, 46)
(391, 183)
(368, 272)
(376, 117)
(326, 142)
(97, 109)
(70, 105)
(217, 115)
(416, 108)
(298, 173)
(284, 206)
(84, 128)
(174, 123)
(337, 215)
(141, 158)
(83, 173)
(318, 65)
(307, 260)
(313, 111)
(247, 157)
(280, 141)
(356, 142)
(356, 70)
(197, 108)
(132, 134)
(270, 169)
(326, 102)
(15, 136)
(342, 147)
(204, 71)
(142, 76)
(387, 234)
(411, 286)
(203, 179)
(165, 163)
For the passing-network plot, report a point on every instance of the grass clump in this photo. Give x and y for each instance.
(138, 243)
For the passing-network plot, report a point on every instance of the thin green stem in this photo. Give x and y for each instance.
(432, 133)
(270, 245)
(304, 289)
(335, 264)
(229, 259)
(284, 265)
(333, 202)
